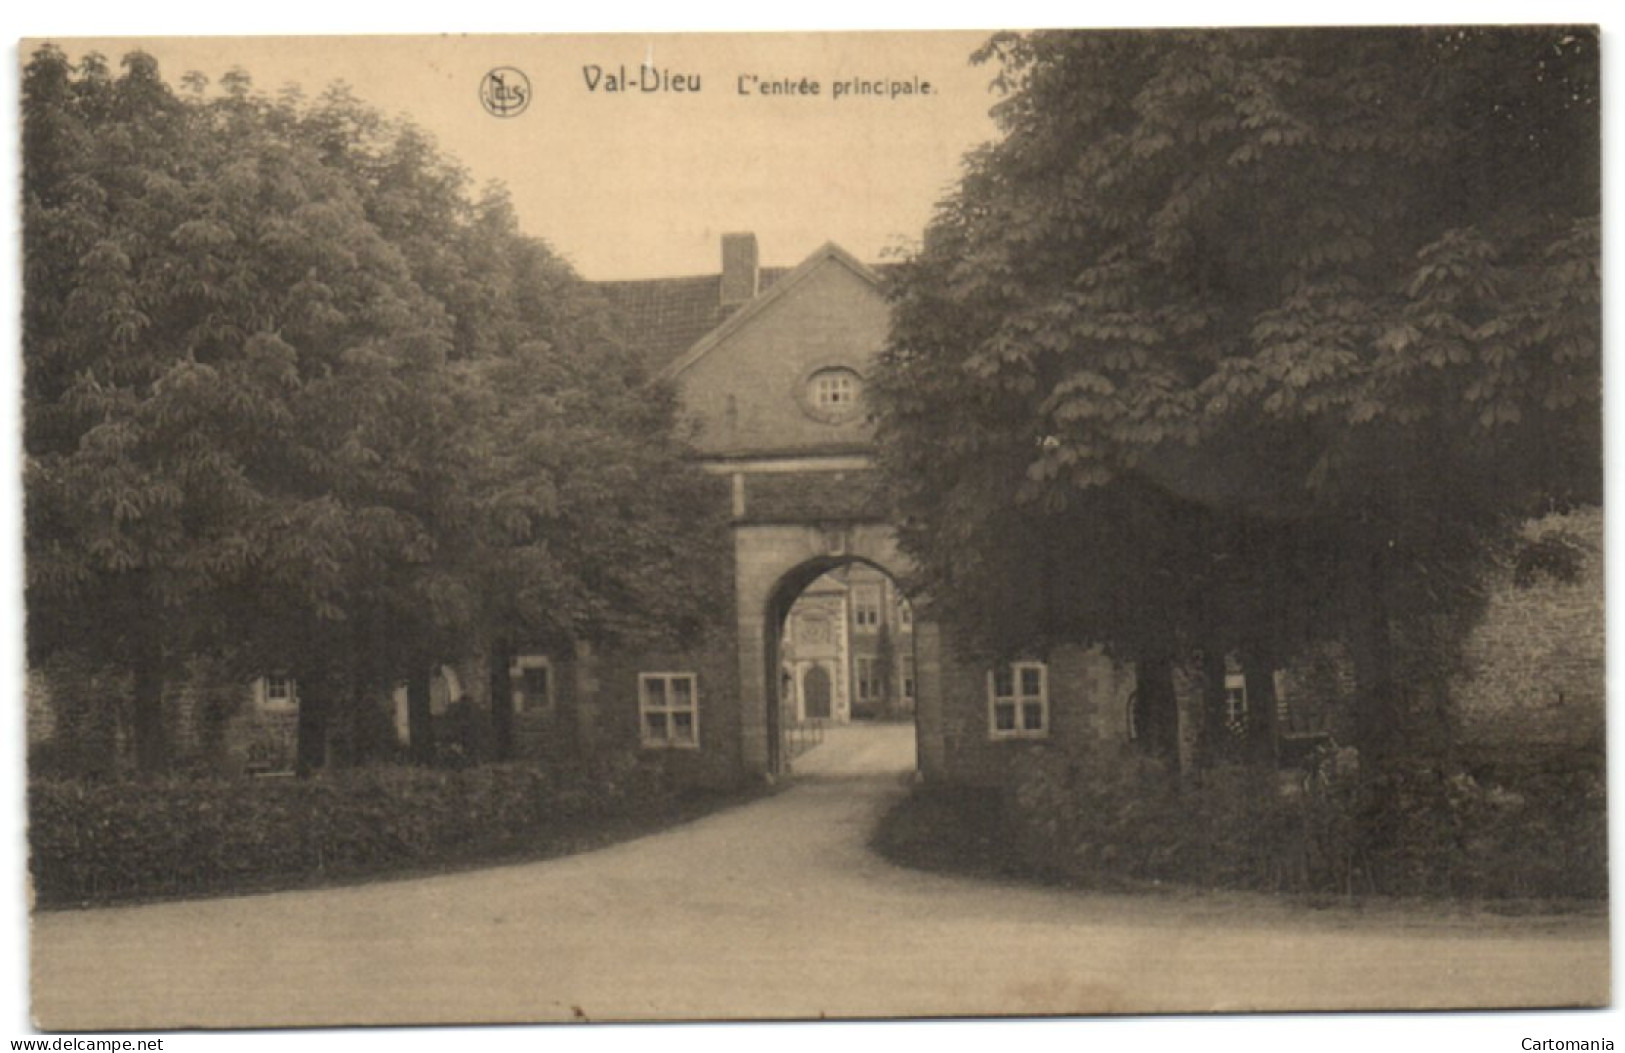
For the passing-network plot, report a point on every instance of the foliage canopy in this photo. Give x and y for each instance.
(1238, 338)
(294, 395)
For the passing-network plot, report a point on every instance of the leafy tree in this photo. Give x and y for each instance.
(294, 399)
(1236, 339)
(218, 347)
(567, 511)
(590, 523)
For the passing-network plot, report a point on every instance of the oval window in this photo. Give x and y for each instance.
(835, 395)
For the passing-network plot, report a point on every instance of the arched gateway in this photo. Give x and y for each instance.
(776, 392)
(774, 564)
(770, 366)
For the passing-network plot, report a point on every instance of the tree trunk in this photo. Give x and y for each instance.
(1378, 718)
(502, 701)
(341, 716)
(356, 700)
(419, 722)
(151, 742)
(1158, 708)
(362, 693)
(1213, 744)
(1378, 721)
(1263, 738)
(313, 711)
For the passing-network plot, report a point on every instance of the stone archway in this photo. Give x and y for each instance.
(773, 564)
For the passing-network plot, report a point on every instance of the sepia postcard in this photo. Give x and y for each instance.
(813, 526)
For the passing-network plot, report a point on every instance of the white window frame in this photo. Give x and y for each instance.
(288, 700)
(1017, 701)
(908, 674)
(905, 615)
(835, 390)
(516, 682)
(832, 394)
(646, 709)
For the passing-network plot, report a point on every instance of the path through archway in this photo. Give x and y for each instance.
(839, 645)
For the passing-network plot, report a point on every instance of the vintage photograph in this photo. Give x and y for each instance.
(802, 526)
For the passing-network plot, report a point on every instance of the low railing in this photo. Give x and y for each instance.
(801, 736)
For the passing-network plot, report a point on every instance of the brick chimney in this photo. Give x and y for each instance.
(738, 269)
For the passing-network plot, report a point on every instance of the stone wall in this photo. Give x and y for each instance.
(1088, 696)
(614, 707)
(814, 497)
(1536, 680)
(1534, 692)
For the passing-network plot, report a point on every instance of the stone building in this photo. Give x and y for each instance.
(770, 365)
(816, 655)
(848, 649)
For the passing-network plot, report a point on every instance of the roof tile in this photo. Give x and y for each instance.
(663, 317)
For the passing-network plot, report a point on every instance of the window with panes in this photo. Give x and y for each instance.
(668, 709)
(1018, 700)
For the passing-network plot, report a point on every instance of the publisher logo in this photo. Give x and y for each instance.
(505, 92)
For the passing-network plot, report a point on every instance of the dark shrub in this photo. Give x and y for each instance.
(110, 840)
(1528, 834)
(952, 828)
(1112, 820)
(462, 735)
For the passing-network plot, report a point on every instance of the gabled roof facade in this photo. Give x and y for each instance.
(749, 372)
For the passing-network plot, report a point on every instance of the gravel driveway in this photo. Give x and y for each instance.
(774, 909)
(860, 749)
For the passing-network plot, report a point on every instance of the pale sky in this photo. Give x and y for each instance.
(642, 184)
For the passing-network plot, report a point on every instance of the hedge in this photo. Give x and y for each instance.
(99, 842)
(1123, 822)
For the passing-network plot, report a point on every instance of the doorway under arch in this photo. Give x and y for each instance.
(817, 693)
